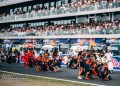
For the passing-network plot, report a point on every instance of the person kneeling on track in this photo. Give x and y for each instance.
(81, 61)
(88, 69)
(104, 73)
(73, 63)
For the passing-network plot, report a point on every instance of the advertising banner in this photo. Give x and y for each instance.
(116, 63)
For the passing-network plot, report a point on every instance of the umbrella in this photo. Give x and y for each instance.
(29, 45)
(89, 42)
(52, 43)
(76, 48)
(47, 47)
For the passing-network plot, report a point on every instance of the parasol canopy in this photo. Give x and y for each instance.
(47, 47)
(87, 42)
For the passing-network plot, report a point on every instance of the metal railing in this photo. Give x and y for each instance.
(76, 31)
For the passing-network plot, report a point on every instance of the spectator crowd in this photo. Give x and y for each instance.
(105, 27)
(77, 6)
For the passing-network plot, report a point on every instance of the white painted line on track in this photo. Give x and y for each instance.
(54, 78)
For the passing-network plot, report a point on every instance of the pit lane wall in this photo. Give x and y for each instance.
(7, 36)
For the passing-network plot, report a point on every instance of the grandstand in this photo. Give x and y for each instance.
(46, 19)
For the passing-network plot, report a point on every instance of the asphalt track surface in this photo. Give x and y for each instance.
(67, 74)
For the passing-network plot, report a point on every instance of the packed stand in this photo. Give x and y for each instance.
(77, 6)
(106, 27)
